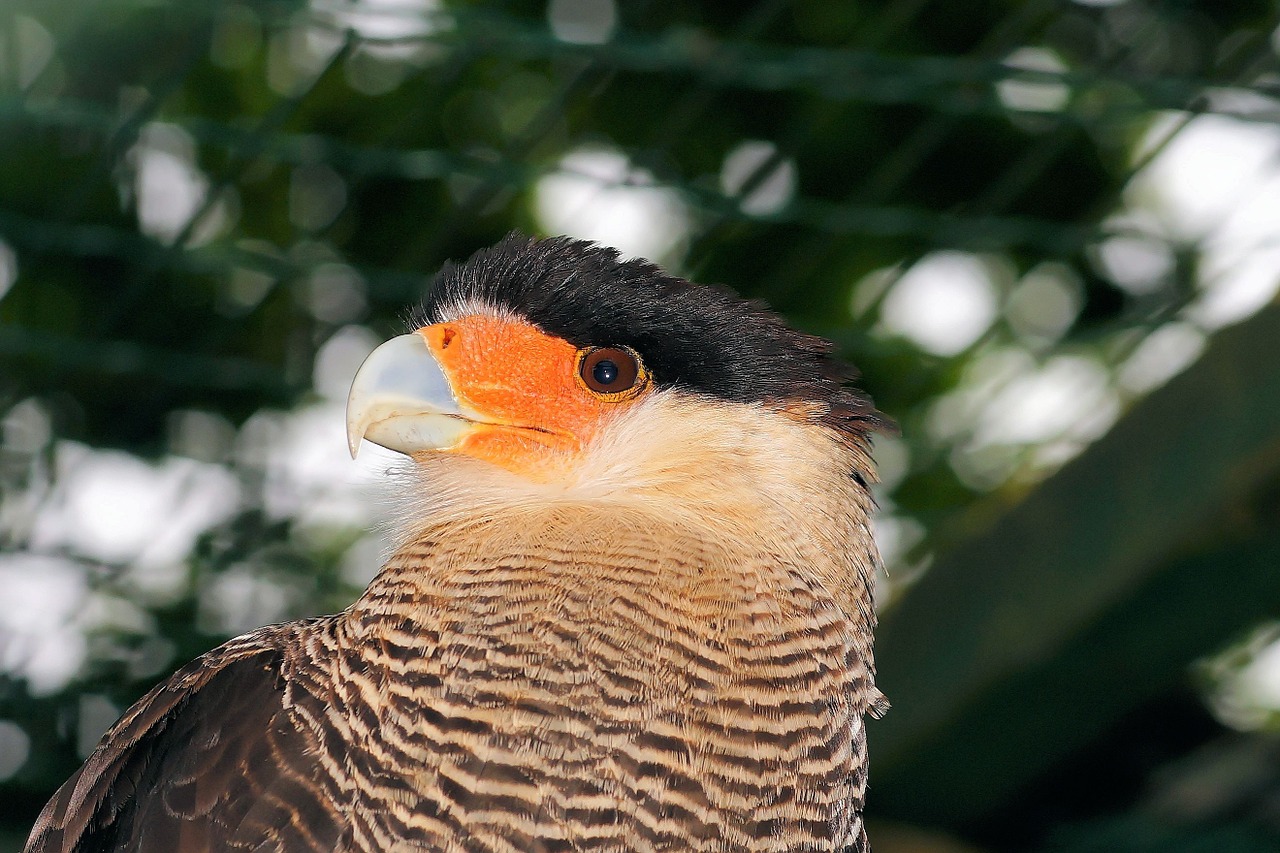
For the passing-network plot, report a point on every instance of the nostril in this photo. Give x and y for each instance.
(447, 334)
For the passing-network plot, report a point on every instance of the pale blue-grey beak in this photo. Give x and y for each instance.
(402, 400)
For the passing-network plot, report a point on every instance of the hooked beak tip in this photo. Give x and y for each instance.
(402, 399)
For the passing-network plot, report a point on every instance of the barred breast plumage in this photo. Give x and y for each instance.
(590, 692)
(659, 639)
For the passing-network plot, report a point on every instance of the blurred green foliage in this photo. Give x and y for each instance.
(201, 202)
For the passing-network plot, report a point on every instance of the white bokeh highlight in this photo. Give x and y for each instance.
(1044, 303)
(169, 189)
(41, 637)
(582, 21)
(1218, 183)
(8, 268)
(769, 192)
(113, 507)
(1139, 265)
(384, 20)
(1258, 682)
(15, 749)
(943, 303)
(1160, 356)
(1068, 396)
(1034, 95)
(597, 194)
(27, 50)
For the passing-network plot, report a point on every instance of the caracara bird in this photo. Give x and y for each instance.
(630, 609)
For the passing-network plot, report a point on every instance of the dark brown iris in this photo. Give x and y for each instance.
(610, 370)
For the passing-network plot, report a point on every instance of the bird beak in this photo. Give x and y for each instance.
(402, 400)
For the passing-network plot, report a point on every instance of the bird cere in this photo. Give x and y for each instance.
(630, 607)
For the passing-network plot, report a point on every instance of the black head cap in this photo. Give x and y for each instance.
(699, 338)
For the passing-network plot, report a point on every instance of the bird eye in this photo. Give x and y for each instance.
(611, 371)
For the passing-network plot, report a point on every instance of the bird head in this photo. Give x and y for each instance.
(553, 365)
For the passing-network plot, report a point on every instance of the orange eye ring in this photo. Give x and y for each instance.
(612, 373)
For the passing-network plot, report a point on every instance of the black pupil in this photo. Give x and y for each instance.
(605, 372)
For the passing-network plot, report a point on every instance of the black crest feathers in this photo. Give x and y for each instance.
(700, 338)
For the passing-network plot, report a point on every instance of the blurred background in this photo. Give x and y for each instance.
(1048, 232)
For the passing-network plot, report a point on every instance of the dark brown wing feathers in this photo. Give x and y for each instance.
(209, 745)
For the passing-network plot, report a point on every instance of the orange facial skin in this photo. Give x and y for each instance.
(522, 387)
